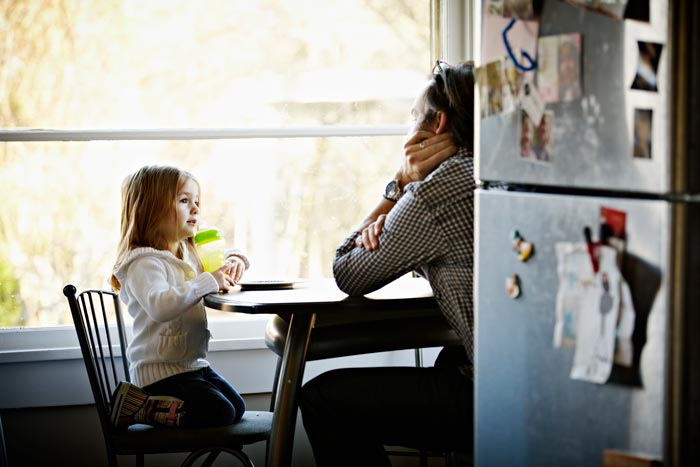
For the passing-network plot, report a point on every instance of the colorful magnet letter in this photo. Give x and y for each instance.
(523, 248)
(513, 286)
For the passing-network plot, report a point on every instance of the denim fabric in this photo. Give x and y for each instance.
(209, 399)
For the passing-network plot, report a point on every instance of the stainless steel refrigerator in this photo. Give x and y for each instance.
(529, 411)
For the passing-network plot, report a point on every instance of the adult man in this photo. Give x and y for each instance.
(424, 223)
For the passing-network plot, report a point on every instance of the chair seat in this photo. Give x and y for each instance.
(253, 427)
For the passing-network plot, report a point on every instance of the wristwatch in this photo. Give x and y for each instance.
(393, 191)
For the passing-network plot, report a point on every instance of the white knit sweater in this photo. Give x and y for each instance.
(164, 296)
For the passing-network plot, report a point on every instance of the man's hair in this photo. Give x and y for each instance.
(452, 92)
(148, 197)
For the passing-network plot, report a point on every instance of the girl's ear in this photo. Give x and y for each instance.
(440, 125)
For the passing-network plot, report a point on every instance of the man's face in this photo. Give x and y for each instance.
(419, 113)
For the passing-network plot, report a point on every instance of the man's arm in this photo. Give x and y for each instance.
(409, 239)
(370, 228)
(408, 236)
(424, 151)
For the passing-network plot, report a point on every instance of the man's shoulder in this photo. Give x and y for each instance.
(452, 179)
(456, 166)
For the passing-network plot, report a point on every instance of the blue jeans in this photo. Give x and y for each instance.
(209, 399)
(350, 414)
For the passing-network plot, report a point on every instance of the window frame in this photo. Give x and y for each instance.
(451, 39)
(22, 345)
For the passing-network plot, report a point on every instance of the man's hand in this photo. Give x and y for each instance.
(423, 152)
(369, 236)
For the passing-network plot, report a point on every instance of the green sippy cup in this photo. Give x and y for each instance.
(210, 247)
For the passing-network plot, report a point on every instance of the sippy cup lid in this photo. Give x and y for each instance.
(210, 234)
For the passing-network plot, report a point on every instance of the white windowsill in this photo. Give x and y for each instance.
(24, 345)
(56, 376)
(43, 367)
(71, 353)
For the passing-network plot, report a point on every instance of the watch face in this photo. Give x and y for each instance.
(392, 191)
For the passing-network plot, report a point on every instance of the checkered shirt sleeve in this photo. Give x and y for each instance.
(430, 230)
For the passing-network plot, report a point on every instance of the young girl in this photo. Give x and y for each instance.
(161, 281)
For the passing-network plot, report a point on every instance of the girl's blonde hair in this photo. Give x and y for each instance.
(148, 201)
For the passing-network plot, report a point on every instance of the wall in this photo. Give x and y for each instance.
(48, 419)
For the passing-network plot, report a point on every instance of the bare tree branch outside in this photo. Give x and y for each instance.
(108, 64)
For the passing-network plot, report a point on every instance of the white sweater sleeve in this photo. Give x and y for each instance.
(149, 284)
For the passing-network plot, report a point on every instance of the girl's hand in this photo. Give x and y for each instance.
(423, 152)
(235, 268)
(369, 237)
(223, 279)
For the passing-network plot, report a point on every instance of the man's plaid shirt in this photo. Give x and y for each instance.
(430, 230)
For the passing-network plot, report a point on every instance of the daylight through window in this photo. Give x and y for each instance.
(174, 65)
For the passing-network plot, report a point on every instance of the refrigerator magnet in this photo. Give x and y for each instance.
(592, 249)
(524, 249)
(513, 286)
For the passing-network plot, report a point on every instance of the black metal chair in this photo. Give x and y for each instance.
(103, 345)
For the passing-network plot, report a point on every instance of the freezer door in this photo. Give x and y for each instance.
(593, 136)
(529, 411)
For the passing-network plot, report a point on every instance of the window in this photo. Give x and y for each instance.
(290, 114)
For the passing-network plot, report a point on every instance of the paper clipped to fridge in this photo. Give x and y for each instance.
(594, 311)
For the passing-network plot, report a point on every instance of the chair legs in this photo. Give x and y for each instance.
(273, 396)
(452, 459)
(458, 459)
(423, 456)
(212, 454)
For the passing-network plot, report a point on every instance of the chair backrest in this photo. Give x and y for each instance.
(99, 341)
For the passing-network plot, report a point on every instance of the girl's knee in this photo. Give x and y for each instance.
(239, 407)
(226, 413)
(214, 413)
